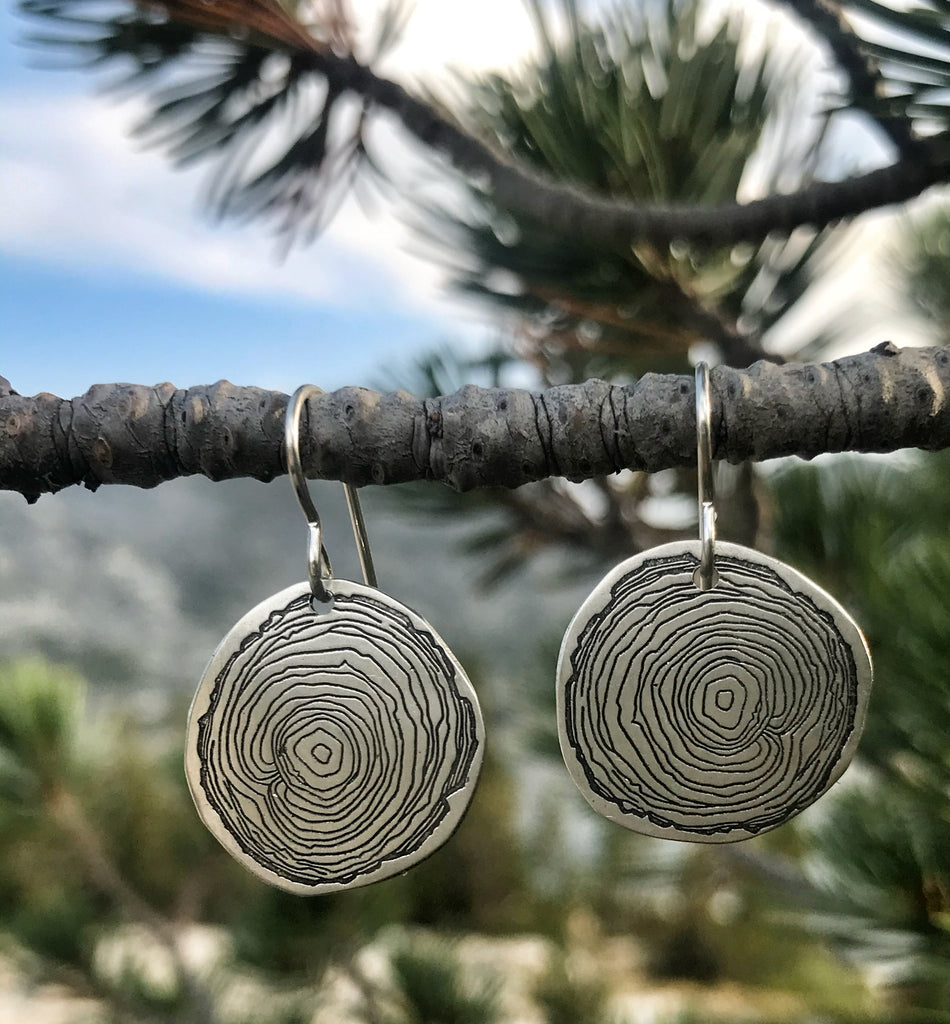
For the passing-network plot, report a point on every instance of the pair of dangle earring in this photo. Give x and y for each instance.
(707, 692)
(334, 740)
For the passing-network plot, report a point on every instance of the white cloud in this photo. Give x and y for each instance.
(86, 197)
(448, 34)
(80, 194)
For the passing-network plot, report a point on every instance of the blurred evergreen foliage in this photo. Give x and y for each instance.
(43, 898)
(877, 532)
(432, 989)
(566, 999)
(661, 102)
(923, 265)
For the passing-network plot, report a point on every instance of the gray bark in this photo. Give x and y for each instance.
(881, 401)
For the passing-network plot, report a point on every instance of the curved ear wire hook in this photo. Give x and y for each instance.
(705, 576)
(319, 568)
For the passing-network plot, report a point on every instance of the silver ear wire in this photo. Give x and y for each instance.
(319, 568)
(705, 577)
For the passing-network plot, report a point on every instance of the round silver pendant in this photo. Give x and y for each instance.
(709, 716)
(332, 748)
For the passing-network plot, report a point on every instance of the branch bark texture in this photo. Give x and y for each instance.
(881, 401)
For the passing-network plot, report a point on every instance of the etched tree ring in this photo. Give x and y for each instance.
(328, 749)
(709, 716)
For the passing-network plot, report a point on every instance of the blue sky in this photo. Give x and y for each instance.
(109, 271)
(83, 327)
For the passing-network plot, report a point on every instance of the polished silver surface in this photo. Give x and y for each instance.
(709, 715)
(706, 573)
(335, 747)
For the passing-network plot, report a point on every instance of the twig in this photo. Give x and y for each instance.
(618, 224)
(575, 212)
(881, 401)
(867, 85)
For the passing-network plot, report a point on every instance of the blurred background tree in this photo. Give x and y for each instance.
(100, 853)
(652, 103)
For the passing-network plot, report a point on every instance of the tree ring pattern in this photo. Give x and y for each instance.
(709, 715)
(333, 748)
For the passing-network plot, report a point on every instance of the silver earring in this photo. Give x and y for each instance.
(707, 692)
(334, 740)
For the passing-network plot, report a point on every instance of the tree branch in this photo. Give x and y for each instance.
(574, 211)
(868, 86)
(614, 223)
(596, 218)
(881, 401)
